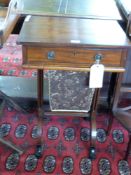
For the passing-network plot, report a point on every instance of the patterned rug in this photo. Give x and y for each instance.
(11, 59)
(66, 146)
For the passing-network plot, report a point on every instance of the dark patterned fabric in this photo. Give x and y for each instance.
(66, 142)
(69, 91)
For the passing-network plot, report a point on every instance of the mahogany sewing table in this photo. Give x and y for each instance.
(61, 43)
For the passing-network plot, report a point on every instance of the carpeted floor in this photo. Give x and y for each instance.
(11, 60)
(66, 139)
(66, 146)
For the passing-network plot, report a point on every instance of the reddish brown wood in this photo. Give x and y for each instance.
(8, 27)
(93, 117)
(40, 90)
(75, 42)
(5, 2)
(83, 57)
(58, 31)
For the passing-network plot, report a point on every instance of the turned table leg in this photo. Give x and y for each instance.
(92, 151)
(39, 147)
(40, 91)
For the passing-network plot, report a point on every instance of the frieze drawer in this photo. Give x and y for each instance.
(72, 56)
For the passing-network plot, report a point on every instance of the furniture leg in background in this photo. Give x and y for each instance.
(123, 115)
(12, 146)
(111, 95)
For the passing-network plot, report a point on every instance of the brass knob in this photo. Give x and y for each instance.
(51, 55)
(98, 57)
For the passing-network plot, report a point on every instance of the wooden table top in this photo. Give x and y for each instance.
(57, 31)
(97, 9)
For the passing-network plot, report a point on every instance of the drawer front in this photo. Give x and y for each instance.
(73, 56)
